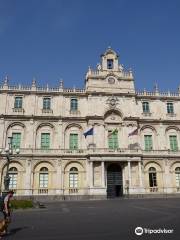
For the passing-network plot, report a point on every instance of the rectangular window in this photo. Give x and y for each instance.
(46, 103)
(152, 179)
(43, 180)
(178, 180)
(173, 143)
(16, 140)
(13, 181)
(145, 106)
(170, 107)
(148, 142)
(73, 180)
(45, 140)
(113, 139)
(74, 104)
(73, 141)
(18, 102)
(109, 63)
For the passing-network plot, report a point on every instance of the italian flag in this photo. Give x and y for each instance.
(112, 132)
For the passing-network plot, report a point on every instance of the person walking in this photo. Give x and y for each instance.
(6, 207)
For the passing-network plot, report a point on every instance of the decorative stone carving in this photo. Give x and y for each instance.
(112, 101)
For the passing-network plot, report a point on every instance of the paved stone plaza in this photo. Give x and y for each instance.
(97, 220)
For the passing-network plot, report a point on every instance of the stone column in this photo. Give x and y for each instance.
(28, 179)
(166, 177)
(129, 173)
(58, 177)
(140, 175)
(102, 174)
(62, 179)
(91, 174)
(87, 174)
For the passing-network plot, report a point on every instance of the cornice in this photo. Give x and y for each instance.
(86, 118)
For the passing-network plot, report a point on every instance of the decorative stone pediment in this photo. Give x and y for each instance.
(113, 117)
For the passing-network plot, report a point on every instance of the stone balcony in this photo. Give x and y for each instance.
(47, 111)
(96, 152)
(18, 110)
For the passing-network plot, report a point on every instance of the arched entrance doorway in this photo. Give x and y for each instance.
(114, 181)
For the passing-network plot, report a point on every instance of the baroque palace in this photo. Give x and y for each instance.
(106, 140)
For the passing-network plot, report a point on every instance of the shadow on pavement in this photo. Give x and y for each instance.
(13, 231)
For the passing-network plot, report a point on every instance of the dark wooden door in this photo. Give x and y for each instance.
(114, 181)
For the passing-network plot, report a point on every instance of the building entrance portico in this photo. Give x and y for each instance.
(114, 181)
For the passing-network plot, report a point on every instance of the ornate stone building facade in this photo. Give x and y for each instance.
(132, 147)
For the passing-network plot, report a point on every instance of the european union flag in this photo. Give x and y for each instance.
(89, 132)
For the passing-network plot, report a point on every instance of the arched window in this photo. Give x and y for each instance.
(73, 178)
(152, 177)
(177, 173)
(43, 177)
(13, 172)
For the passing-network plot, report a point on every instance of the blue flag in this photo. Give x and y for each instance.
(89, 132)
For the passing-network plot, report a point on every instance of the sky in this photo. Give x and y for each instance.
(58, 39)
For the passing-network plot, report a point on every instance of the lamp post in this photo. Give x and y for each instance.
(8, 157)
(8, 154)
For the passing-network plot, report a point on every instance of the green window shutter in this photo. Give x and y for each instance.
(74, 104)
(45, 140)
(73, 141)
(16, 140)
(113, 140)
(173, 143)
(148, 142)
(18, 102)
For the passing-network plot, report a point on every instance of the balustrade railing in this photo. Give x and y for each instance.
(157, 93)
(94, 151)
(43, 191)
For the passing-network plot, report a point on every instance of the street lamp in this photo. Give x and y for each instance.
(8, 154)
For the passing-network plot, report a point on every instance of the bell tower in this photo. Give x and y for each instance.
(110, 60)
(109, 76)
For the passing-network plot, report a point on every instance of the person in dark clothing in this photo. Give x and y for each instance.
(7, 210)
(6, 207)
